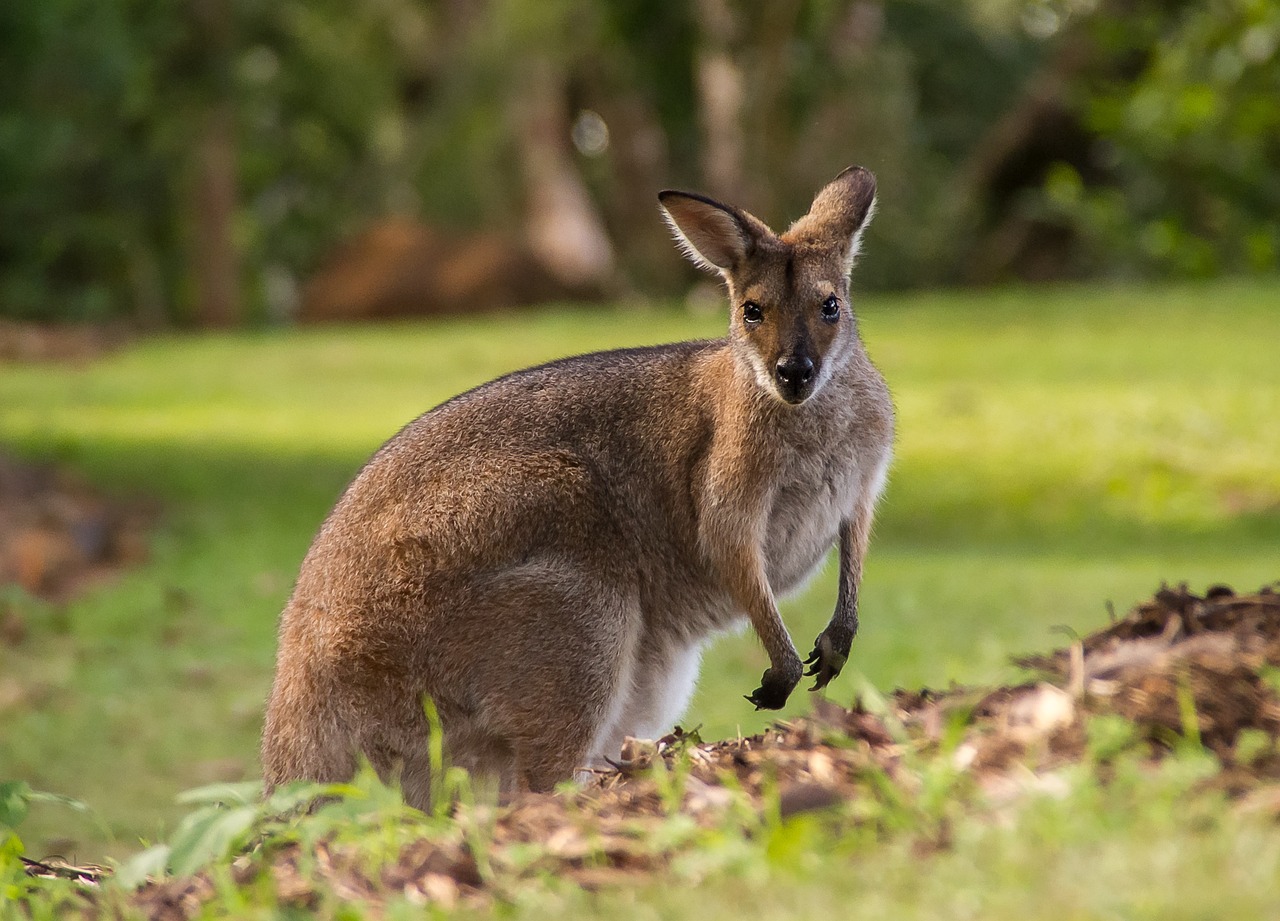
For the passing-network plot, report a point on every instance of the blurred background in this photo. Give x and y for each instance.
(1071, 286)
(226, 162)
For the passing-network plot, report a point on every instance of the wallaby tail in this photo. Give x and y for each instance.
(304, 737)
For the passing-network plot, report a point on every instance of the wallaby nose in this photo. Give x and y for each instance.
(796, 370)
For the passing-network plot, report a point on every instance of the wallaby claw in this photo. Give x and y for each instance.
(773, 692)
(762, 699)
(828, 658)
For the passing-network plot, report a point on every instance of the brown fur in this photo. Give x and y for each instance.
(545, 556)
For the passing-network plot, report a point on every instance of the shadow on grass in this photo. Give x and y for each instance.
(265, 497)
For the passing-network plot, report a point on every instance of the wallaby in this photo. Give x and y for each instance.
(546, 555)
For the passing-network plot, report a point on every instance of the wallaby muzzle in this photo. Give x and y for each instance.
(795, 375)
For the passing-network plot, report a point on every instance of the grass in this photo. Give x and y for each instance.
(1153, 858)
(1057, 449)
(1153, 841)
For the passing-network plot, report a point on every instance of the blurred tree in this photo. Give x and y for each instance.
(329, 101)
(215, 260)
(721, 80)
(1188, 114)
(81, 181)
(1148, 144)
(148, 150)
(193, 164)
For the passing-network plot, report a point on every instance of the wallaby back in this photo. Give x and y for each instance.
(546, 555)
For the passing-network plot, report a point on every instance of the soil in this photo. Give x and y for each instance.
(59, 536)
(401, 268)
(72, 343)
(1180, 666)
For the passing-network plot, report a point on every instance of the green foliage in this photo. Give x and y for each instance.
(99, 127)
(1110, 736)
(16, 799)
(14, 802)
(1253, 745)
(1190, 141)
(346, 111)
(343, 112)
(322, 129)
(77, 171)
(228, 817)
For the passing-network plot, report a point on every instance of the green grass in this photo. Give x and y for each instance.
(1140, 849)
(1057, 449)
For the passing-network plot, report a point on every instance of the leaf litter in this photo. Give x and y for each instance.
(1179, 669)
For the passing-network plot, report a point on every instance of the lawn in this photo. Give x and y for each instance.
(1057, 449)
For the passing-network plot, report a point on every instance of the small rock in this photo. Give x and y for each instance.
(1039, 712)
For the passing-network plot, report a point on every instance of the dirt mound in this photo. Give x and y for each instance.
(400, 268)
(58, 535)
(64, 342)
(1180, 668)
(1182, 663)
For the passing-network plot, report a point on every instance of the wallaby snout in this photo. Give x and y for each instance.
(795, 375)
(546, 556)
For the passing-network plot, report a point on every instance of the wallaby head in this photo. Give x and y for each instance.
(791, 323)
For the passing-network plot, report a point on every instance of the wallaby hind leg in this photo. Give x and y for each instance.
(401, 750)
(548, 753)
(553, 684)
(397, 742)
(523, 717)
(328, 709)
(304, 737)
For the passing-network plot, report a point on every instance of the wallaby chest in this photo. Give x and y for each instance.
(804, 520)
(819, 485)
(805, 470)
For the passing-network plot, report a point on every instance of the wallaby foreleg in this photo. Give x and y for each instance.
(744, 572)
(831, 648)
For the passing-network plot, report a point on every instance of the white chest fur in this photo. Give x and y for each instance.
(803, 524)
(808, 507)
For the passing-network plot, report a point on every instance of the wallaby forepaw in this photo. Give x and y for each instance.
(775, 688)
(830, 652)
(766, 698)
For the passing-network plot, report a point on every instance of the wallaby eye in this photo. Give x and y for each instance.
(752, 313)
(831, 309)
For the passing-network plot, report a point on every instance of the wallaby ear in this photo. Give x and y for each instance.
(839, 214)
(711, 235)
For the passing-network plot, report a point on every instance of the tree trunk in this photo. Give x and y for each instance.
(1040, 129)
(562, 226)
(216, 262)
(768, 122)
(721, 89)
